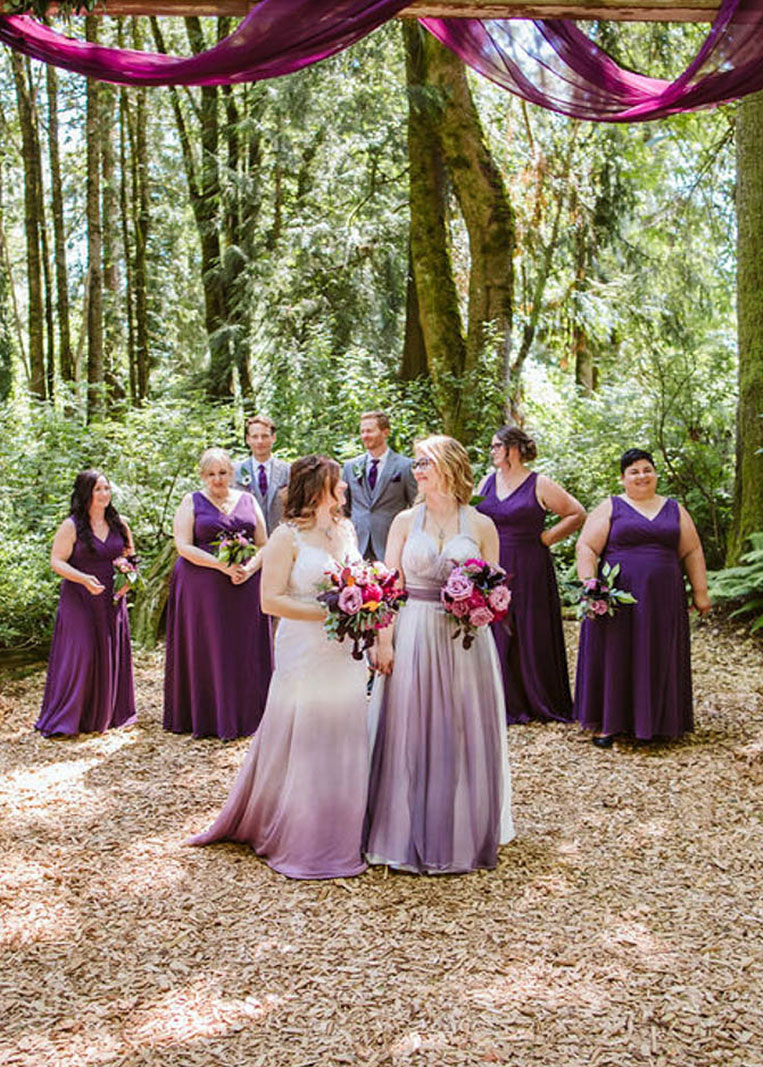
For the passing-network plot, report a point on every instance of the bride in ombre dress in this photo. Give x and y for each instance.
(440, 788)
(300, 798)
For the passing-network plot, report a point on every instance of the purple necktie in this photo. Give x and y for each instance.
(262, 481)
(373, 474)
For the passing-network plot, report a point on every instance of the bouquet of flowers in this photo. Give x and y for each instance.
(599, 596)
(361, 598)
(234, 548)
(126, 573)
(475, 595)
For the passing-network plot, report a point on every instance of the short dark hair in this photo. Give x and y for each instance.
(633, 455)
(515, 437)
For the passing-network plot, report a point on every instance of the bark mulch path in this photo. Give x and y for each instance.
(622, 927)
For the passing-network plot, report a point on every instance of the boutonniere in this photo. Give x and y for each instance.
(244, 476)
(358, 470)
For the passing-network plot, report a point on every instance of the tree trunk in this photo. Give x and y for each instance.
(748, 492)
(127, 250)
(414, 362)
(32, 223)
(95, 365)
(65, 357)
(439, 314)
(6, 343)
(112, 311)
(484, 203)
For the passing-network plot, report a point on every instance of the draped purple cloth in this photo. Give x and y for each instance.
(551, 63)
(277, 37)
(555, 64)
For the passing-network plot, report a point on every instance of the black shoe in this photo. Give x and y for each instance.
(603, 742)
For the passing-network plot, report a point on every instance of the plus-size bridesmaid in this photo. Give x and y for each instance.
(219, 648)
(634, 669)
(530, 640)
(89, 686)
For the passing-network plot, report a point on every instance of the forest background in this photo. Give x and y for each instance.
(381, 230)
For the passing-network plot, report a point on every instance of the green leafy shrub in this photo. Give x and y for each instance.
(742, 585)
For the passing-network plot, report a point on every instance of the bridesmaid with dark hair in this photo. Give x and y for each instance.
(530, 640)
(634, 668)
(219, 644)
(89, 686)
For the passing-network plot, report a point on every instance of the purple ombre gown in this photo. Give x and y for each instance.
(634, 669)
(300, 798)
(219, 644)
(530, 641)
(440, 790)
(89, 685)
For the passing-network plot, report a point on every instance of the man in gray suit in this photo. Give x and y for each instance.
(262, 474)
(380, 483)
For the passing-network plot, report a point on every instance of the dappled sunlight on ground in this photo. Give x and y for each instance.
(620, 929)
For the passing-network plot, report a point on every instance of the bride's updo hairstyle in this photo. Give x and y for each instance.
(309, 479)
(452, 462)
(514, 437)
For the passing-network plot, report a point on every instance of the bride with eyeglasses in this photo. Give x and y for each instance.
(440, 790)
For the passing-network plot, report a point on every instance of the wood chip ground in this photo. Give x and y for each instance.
(622, 927)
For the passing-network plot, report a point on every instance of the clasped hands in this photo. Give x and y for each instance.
(239, 572)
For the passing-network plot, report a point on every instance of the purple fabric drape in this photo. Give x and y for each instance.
(555, 64)
(551, 63)
(277, 37)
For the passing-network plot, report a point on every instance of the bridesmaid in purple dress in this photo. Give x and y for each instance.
(89, 685)
(219, 647)
(530, 640)
(634, 669)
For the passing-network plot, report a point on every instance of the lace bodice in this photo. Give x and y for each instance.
(312, 562)
(423, 565)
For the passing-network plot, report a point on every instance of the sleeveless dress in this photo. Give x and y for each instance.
(219, 643)
(300, 797)
(440, 790)
(89, 685)
(634, 669)
(530, 641)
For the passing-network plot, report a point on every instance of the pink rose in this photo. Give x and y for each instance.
(481, 617)
(458, 586)
(459, 608)
(600, 607)
(499, 598)
(350, 600)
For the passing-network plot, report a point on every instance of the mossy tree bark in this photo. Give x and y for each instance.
(95, 361)
(748, 493)
(447, 149)
(30, 150)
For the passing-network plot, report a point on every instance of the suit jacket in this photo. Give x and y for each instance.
(372, 512)
(245, 477)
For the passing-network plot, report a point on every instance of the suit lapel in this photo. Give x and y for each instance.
(360, 484)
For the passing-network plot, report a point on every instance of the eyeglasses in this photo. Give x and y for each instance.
(421, 464)
(494, 447)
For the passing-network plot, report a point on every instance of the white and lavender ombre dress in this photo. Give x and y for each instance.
(440, 791)
(300, 797)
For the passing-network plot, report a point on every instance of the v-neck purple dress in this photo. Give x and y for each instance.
(219, 643)
(530, 641)
(634, 669)
(89, 685)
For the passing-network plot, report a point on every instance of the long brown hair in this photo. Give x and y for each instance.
(308, 480)
(79, 508)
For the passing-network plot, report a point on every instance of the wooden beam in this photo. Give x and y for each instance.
(615, 10)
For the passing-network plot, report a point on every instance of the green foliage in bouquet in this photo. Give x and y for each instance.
(743, 584)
